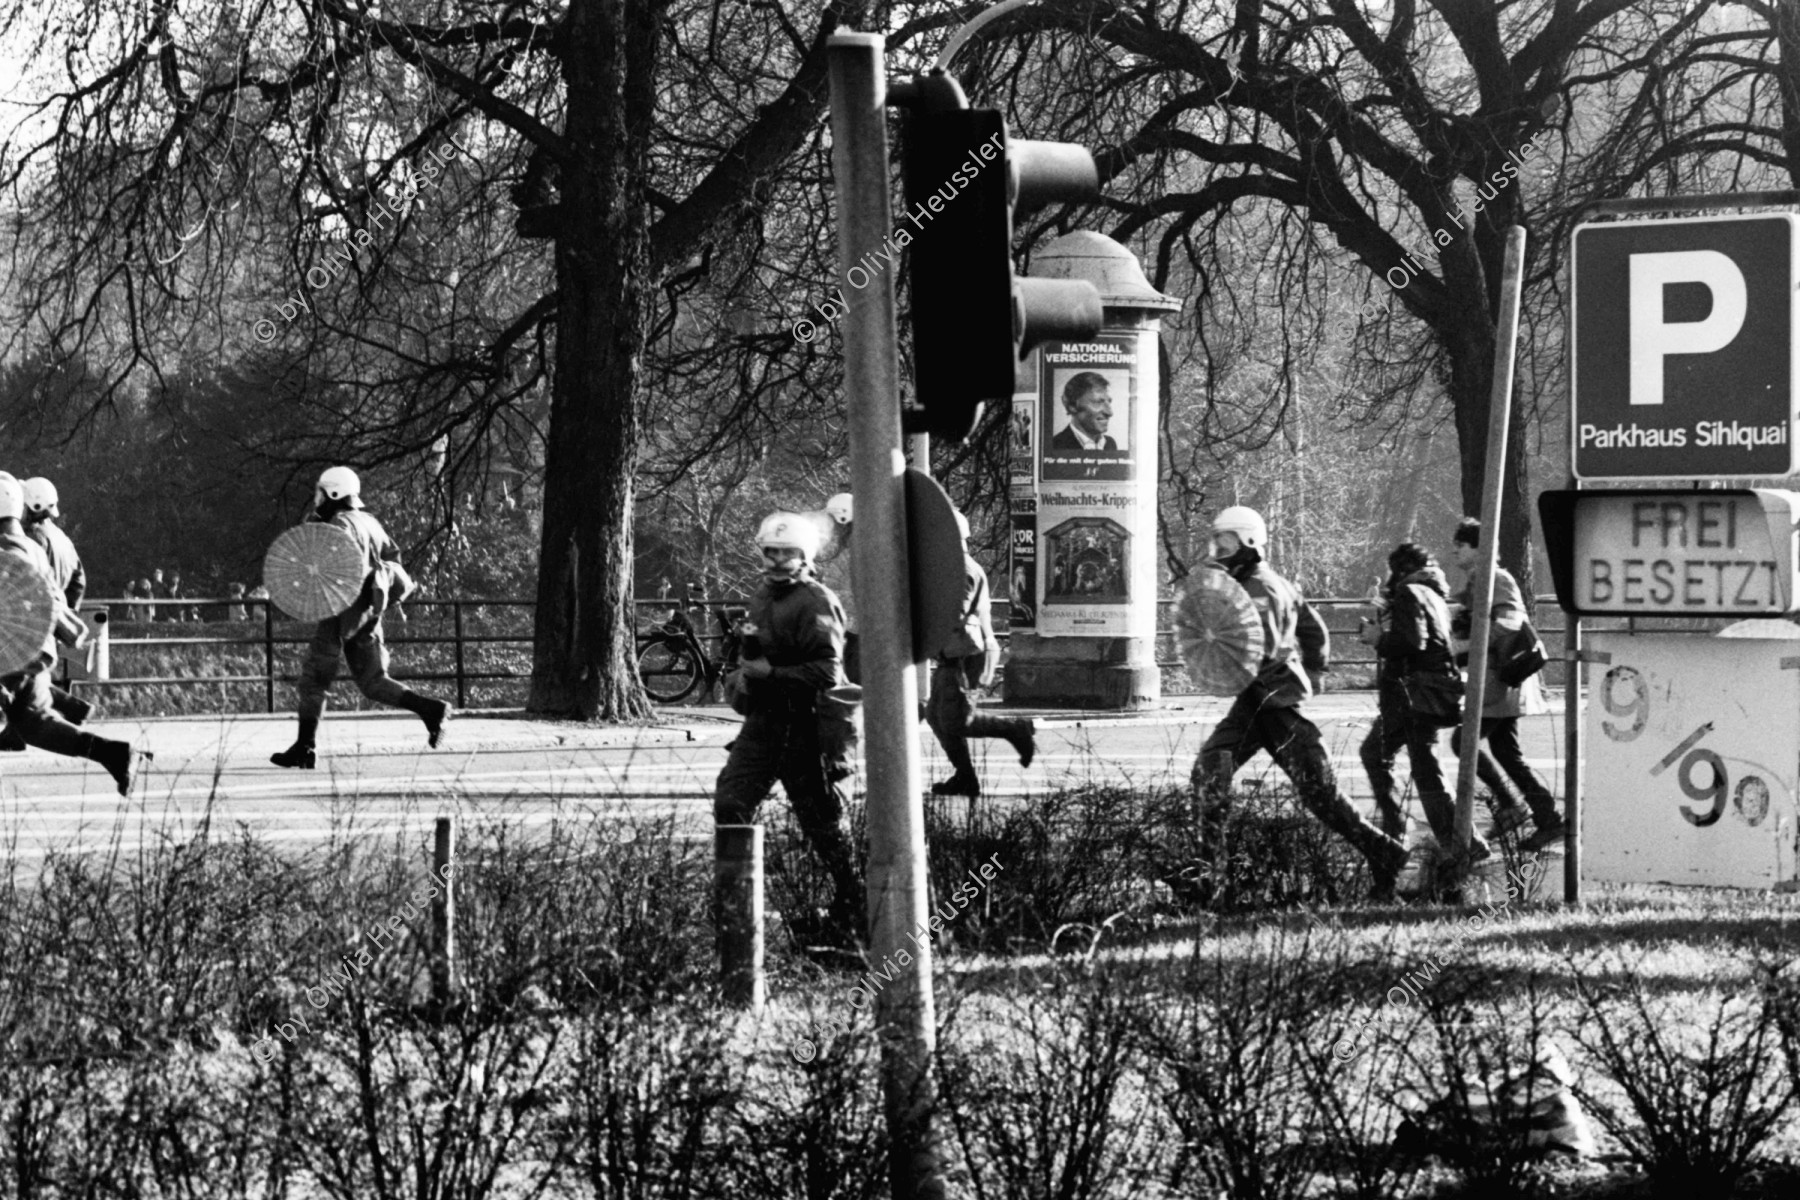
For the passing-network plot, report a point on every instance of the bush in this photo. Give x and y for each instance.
(1706, 1097)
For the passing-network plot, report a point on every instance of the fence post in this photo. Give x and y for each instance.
(462, 693)
(269, 649)
(738, 914)
(443, 917)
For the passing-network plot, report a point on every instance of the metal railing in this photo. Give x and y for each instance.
(396, 633)
(1340, 615)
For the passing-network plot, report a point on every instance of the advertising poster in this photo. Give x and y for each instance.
(1085, 549)
(1021, 448)
(1024, 571)
(1088, 401)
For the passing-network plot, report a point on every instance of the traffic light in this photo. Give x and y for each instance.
(972, 319)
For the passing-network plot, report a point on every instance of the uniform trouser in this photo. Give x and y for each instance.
(26, 698)
(952, 714)
(368, 658)
(812, 756)
(1293, 742)
(1502, 737)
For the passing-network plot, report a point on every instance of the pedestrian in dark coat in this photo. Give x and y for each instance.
(1414, 646)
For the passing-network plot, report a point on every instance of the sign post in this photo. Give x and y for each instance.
(1481, 598)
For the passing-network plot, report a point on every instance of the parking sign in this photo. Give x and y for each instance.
(1685, 354)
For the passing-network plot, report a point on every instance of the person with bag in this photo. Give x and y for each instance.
(1425, 692)
(794, 730)
(355, 635)
(1266, 716)
(1513, 645)
(971, 663)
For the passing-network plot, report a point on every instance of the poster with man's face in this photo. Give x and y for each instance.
(1089, 399)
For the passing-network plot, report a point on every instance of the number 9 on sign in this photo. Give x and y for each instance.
(1637, 708)
(1716, 792)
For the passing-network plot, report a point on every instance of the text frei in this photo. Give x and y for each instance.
(321, 995)
(338, 260)
(1677, 553)
(870, 266)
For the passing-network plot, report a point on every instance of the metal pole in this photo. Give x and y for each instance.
(1481, 599)
(462, 690)
(1572, 731)
(905, 1022)
(738, 892)
(269, 648)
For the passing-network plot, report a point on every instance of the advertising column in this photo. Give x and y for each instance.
(1084, 474)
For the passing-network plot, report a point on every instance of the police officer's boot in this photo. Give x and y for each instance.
(301, 753)
(117, 757)
(433, 712)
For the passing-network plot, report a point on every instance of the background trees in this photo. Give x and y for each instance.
(534, 268)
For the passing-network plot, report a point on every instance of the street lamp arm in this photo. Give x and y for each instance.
(962, 36)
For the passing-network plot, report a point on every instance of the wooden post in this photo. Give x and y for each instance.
(738, 914)
(1481, 599)
(443, 917)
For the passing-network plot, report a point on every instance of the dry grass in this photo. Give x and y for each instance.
(1096, 1040)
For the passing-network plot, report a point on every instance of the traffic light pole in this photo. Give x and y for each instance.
(905, 1022)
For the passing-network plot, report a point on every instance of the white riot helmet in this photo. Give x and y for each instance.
(841, 508)
(40, 497)
(1246, 523)
(12, 499)
(789, 531)
(338, 483)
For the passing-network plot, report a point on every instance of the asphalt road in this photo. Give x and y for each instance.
(375, 774)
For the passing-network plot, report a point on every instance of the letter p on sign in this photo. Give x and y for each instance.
(1653, 338)
(1685, 348)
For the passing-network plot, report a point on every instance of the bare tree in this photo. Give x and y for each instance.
(1395, 137)
(200, 174)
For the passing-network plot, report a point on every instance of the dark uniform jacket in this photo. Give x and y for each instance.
(384, 580)
(26, 548)
(1294, 639)
(800, 628)
(65, 563)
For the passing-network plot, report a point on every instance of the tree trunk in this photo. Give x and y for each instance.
(1471, 392)
(584, 652)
